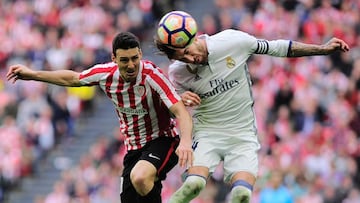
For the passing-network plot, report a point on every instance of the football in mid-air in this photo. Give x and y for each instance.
(177, 29)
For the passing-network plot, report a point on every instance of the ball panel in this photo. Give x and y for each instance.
(174, 22)
(179, 39)
(190, 26)
(163, 34)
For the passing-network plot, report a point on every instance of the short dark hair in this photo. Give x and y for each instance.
(125, 40)
(163, 48)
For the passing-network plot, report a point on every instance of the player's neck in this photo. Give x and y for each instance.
(203, 48)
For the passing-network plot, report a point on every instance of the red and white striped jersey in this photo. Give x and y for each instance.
(142, 105)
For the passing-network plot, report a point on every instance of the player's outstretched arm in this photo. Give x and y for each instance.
(184, 150)
(301, 49)
(59, 77)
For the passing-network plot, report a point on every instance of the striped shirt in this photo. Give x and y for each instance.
(142, 105)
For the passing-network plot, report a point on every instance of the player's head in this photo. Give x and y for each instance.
(127, 55)
(195, 53)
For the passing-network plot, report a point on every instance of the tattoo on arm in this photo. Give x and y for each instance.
(300, 49)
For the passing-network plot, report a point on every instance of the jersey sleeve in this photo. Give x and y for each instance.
(248, 44)
(279, 47)
(95, 74)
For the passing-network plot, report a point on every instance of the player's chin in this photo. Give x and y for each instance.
(130, 78)
(131, 75)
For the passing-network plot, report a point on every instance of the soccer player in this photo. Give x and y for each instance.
(145, 102)
(211, 74)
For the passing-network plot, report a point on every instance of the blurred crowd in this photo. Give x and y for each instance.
(308, 109)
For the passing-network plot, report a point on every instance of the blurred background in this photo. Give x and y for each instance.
(63, 145)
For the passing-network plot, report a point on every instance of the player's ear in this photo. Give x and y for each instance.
(140, 53)
(113, 57)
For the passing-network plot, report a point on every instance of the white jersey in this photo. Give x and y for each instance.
(224, 84)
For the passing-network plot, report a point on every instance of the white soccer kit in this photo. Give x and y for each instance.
(224, 123)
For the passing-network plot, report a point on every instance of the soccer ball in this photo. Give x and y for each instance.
(177, 29)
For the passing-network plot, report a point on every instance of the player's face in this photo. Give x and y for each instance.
(195, 53)
(128, 61)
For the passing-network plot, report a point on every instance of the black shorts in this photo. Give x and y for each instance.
(159, 152)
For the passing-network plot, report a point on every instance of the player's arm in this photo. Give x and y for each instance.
(287, 48)
(58, 77)
(184, 120)
(298, 49)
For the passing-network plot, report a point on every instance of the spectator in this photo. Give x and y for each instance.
(275, 191)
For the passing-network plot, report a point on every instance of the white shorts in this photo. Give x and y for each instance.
(237, 154)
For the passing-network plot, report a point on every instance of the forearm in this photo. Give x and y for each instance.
(184, 150)
(184, 121)
(301, 49)
(185, 127)
(58, 77)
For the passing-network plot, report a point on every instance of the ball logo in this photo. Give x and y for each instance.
(179, 40)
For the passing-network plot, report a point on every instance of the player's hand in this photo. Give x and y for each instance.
(190, 99)
(185, 153)
(336, 44)
(17, 72)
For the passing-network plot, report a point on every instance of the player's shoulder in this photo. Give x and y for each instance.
(149, 66)
(228, 39)
(98, 72)
(101, 68)
(150, 69)
(230, 33)
(106, 66)
(180, 71)
(177, 66)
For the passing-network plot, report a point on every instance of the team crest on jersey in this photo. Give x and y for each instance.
(230, 63)
(139, 90)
